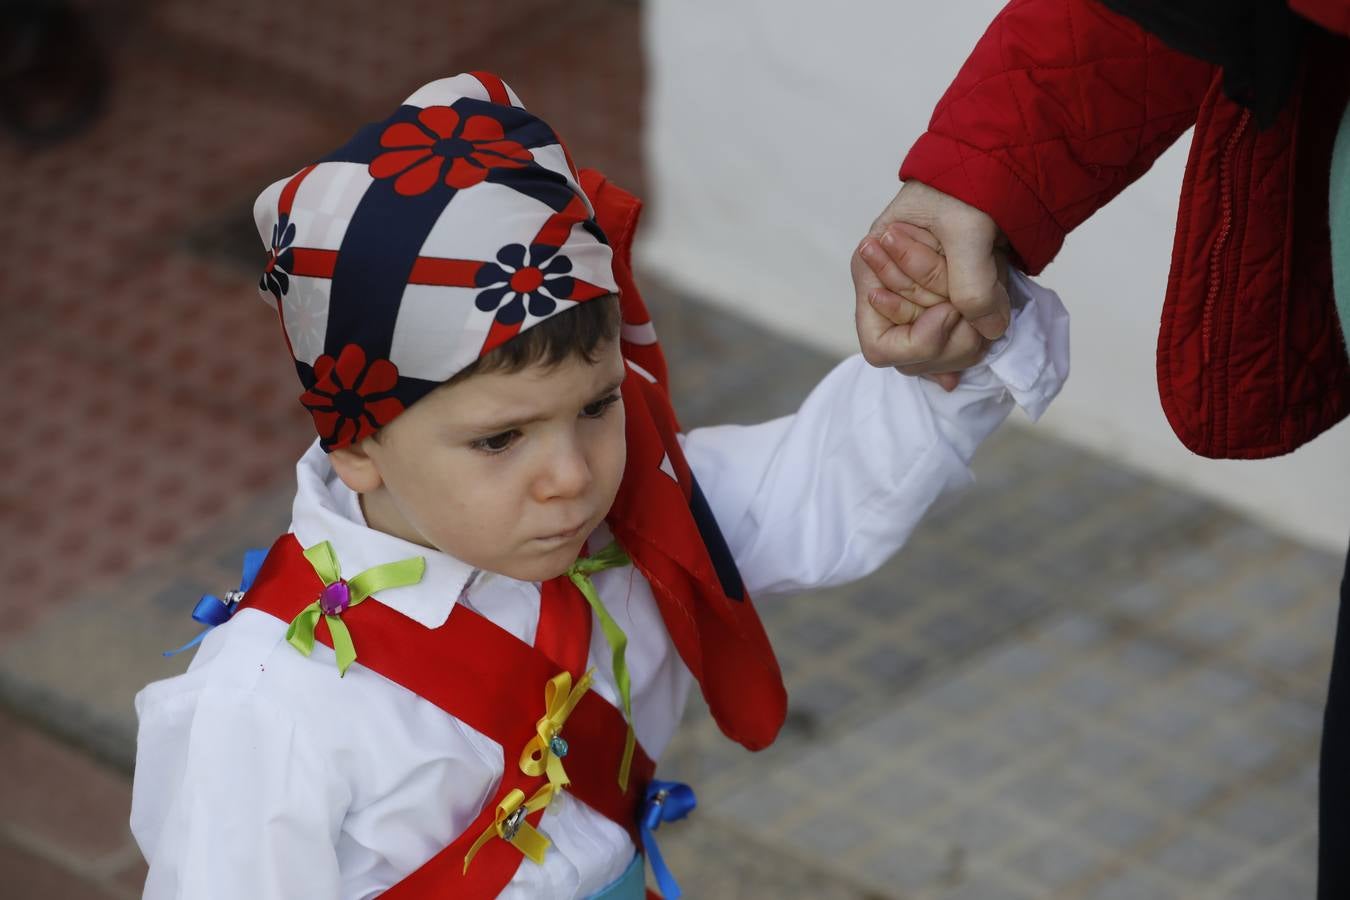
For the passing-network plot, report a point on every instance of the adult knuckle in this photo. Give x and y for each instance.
(973, 304)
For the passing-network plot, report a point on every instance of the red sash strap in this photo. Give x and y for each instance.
(564, 632)
(488, 679)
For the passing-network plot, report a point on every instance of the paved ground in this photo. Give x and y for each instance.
(1074, 683)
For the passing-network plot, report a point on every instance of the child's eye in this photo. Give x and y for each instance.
(497, 443)
(600, 407)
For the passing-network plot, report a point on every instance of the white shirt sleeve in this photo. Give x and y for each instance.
(827, 495)
(229, 801)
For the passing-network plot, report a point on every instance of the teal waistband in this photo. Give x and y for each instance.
(631, 885)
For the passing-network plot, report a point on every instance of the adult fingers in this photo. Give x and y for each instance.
(973, 280)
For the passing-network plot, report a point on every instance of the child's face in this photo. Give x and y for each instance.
(509, 472)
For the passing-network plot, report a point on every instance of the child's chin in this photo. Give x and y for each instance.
(545, 564)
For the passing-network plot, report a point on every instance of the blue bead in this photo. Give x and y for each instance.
(558, 746)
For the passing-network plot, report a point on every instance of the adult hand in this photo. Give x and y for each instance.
(929, 298)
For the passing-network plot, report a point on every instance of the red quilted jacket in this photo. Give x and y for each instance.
(1063, 103)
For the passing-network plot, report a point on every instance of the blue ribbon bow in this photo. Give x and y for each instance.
(212, 611)
(666, 801)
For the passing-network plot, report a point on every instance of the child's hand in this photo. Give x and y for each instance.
(908, 314)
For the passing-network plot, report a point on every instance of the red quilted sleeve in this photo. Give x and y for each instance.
(1061, 105)
(1333, 15)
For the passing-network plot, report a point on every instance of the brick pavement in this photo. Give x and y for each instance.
(63, 833)
(1074, 683)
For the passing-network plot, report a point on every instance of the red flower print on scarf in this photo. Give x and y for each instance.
(346, 399)
(473, 145)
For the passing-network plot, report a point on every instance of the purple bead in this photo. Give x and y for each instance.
(335, 598)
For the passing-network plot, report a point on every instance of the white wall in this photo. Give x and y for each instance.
(775, 129)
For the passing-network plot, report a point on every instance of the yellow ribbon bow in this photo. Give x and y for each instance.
(509, 824)
(543, 754)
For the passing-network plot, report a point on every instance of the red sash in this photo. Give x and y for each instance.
(490, 680)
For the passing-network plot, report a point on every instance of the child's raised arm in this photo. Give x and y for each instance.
(825, 496)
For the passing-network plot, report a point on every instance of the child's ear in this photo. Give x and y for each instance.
(355, 466)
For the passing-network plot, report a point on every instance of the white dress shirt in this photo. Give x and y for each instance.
(260, 774)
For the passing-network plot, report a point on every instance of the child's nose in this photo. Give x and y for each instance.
(566, 474)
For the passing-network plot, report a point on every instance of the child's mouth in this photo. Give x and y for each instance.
(567, 535)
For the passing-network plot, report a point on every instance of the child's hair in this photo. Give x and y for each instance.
(579, 331)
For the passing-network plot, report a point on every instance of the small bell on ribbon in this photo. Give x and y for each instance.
(511, 824)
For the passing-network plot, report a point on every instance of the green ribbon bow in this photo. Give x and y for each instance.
(374, 580)
(580, 572)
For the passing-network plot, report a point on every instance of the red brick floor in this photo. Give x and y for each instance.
(63, 822)
(146, 395)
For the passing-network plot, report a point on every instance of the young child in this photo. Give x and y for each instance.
(506, 566)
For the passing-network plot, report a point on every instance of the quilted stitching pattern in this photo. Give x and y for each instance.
(1062, 104)
(1020, 130)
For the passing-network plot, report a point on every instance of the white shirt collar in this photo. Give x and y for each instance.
(327, 510)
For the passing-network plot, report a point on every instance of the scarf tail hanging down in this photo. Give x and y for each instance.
(663, 520)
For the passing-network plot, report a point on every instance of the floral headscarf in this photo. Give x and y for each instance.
(424, 242)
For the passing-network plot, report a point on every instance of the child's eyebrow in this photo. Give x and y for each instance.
(512, 424)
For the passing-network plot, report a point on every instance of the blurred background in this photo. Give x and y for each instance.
(1097, 674)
